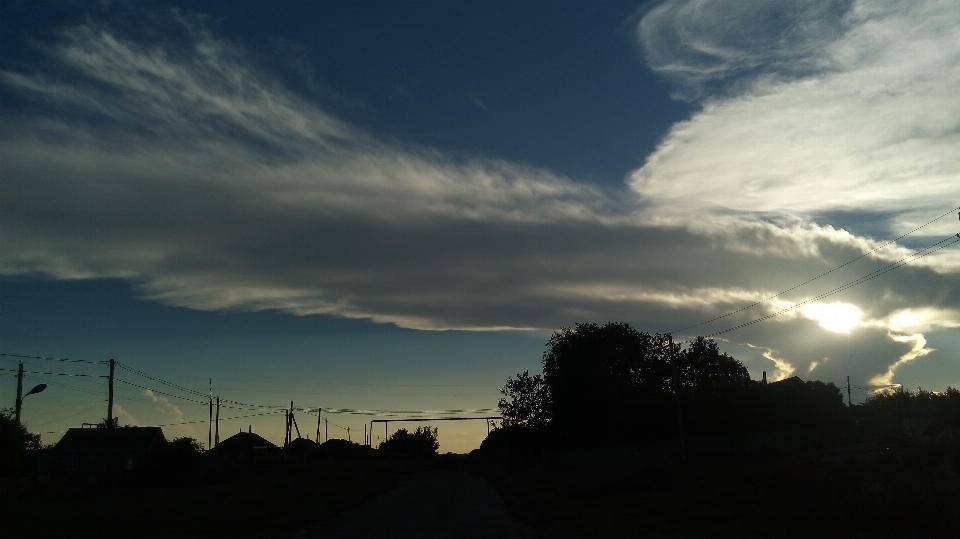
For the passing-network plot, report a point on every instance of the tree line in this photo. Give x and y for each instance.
(611, 384)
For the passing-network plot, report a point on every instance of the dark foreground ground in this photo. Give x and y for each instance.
(909, 493)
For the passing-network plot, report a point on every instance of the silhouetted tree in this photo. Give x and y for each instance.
(795, 405)
(185, 445)
(181, 455)
(708, 371)
(525, 402)
(420, 442)
(514, 443)
(15, 441)
(904, 412)
(711, 385)
(601, 378)
(340, 449)
(111, 424)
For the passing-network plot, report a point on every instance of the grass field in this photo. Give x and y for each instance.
(914, 494)
(253, 503)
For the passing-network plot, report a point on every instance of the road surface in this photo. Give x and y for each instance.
(426, 505)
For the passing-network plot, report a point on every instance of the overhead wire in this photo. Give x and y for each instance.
(59, 373)
(61, 359)
(160, 380)
(891, 267)
(159, 392)
(69, 416)
(868, 253)
(221, 419)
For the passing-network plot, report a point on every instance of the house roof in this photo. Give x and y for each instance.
(793, 381)
(244, 441)
(121, 438)
(302, 445)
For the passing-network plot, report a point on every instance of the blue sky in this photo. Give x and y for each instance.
(390, 206)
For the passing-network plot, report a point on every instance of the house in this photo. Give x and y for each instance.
(244, 446)
(108, 452)
(303, 448)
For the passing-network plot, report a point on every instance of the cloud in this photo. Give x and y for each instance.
(170, 413)
(189, 171)
(917, 350)
(871, 126)
(811, 112)
(123, 416)
(699, 43)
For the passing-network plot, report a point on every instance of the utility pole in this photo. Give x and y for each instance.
(19, 404)
(348, 434)
(326, 430)
(210, 419)
(110, 395)
(293, 423)
(365, 435)
(319, 413)
(676, 395)
(849, 401)
(216, 437)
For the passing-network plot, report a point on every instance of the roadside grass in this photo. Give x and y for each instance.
(913, 494)
(248, 503)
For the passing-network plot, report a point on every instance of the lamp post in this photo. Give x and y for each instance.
(36, 389)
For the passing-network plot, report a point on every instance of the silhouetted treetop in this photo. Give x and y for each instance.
(704, 368)
(420, 442)
(526, 402)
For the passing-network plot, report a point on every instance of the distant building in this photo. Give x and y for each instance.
(244, 446)
(108, 452)
(302, 448)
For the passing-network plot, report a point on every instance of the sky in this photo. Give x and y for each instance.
(383, 209)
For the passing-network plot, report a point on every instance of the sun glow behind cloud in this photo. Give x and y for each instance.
(836, 317)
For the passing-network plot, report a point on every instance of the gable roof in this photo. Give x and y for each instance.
(244, 441)
(116, 439)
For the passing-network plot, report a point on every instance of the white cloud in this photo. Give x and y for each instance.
(169, 412)
(917, 350)
(871, 126)
(813, 110)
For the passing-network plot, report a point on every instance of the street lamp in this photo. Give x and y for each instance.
(36, 389)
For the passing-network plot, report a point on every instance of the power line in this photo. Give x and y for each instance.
(342, 384)
(159, 392)
(223, 419)
(60, 373)
(818, 276)
(83, 390)
(162, 381)
(61, 359)
(69, 416)
(896, 265)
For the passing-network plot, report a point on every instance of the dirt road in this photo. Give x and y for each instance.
(434, 504)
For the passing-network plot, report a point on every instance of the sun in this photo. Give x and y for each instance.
(836, 317)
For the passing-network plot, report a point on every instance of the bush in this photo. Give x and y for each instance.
(512, 443)
(421, 442)
(340, 449)
(15, 441)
